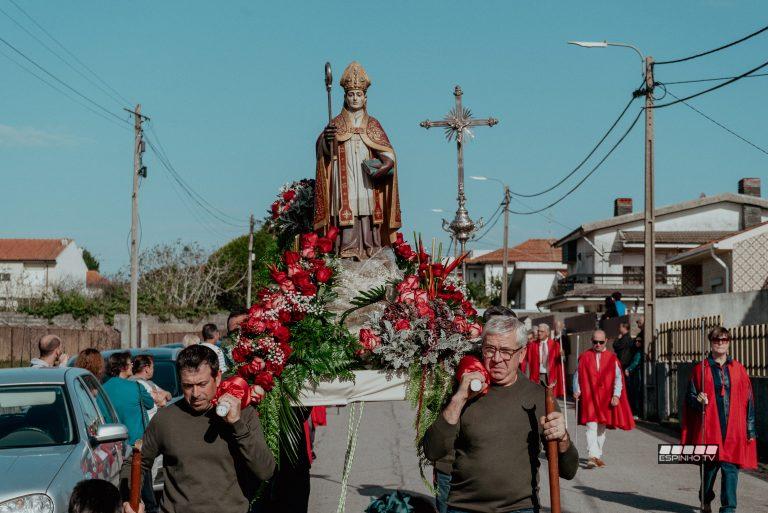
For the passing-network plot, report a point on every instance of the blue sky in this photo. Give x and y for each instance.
(235, 92)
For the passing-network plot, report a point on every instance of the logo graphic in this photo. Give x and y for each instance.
(677, 453)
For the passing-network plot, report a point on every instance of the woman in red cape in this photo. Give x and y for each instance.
(603, 396)
(730, 424)
(531, 362)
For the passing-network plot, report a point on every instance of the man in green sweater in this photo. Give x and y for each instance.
(497, 432)
(211, 463)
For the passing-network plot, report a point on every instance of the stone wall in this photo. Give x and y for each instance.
(750, 264)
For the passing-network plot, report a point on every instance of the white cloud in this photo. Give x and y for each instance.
(27, 137)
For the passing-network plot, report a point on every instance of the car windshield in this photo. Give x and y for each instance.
(34, 416)
(165, 377)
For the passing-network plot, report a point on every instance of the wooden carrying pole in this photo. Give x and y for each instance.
(135, 492)
(552, 454)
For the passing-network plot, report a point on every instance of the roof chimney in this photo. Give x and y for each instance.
(751, 215)
(622, 206)
(750, 187)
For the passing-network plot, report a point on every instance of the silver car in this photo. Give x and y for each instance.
(57, 427)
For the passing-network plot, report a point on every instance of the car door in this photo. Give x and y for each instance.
(100, 461)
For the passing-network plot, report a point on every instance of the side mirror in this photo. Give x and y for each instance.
(110, 433)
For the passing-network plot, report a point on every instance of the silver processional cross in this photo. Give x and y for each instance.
(457, 124)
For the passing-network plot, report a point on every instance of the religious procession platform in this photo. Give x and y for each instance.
(368, 386)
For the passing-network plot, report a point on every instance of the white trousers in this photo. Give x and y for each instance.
(595, 439)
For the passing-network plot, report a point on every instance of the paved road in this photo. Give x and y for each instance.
(385, 460)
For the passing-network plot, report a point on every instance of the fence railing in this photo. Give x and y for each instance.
(18, 344)
(683, 341)
(748, 345)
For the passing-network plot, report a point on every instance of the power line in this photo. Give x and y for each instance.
(57, 79)
(61, 45)
(191, 193)
(33, 36)
(64, 93)
(548, 217)
(588, 174)
(589, 155)
(718, 86)
(759, 148)
(200, 198)
(492, 222)
(702, 54)
(715, 79)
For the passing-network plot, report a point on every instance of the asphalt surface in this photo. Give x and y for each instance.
(385, 460)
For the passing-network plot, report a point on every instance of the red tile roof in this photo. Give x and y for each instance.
(35, 250)
(532, 250)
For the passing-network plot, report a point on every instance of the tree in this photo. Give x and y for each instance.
(234, 257)
(91, 262)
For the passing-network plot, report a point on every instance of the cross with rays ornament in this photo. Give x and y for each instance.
(457, 124)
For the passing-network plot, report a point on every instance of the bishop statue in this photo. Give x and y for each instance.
(356, 175)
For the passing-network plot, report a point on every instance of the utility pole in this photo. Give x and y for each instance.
(250, 263)
(649, 257)
(505, 264)
(138, 171)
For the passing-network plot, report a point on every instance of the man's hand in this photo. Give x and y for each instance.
(466, 379)
(452, 412)
(576, 395)
(63, 357)
(128, 509)
(615, 400)
(554, 427)
(233, 415)
(702, 398)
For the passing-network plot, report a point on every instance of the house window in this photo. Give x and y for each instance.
(5, 276)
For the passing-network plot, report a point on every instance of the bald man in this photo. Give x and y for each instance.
(51, 353)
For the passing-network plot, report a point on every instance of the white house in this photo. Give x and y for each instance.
(533, 269)
(29, 267)
(607, 256)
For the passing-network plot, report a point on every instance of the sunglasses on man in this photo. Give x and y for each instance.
(598, 342)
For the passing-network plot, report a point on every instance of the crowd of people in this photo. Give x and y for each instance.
(478, 437)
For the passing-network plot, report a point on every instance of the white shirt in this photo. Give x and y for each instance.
(543, 356)
(617, 385)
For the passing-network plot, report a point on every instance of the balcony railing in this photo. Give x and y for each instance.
(618, 281)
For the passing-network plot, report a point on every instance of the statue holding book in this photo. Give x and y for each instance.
(356, 175)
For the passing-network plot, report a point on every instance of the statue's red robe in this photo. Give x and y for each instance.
(386, 214)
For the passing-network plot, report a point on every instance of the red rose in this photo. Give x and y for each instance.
(410, 282)
(402, 324)
(424, 310)
(296, 315)
(317, 264)
(275, 210)
(284, 316)
(265, 380)
(399, 238)
(324, 245)
(257, 394)
(253, 324)
(282, 334)
(291, 258)
(332, 232)
(369, 340)
(289, 195)
(309, 240)
(421, 297)
(324, 274)
(438, 270)
(475, 330)
(294, 269)
(468, 309)
(287, 350)
(309, 289)
(278, 276)
(308, 252)
(256, 310)
(460, 324)
(251, 368)
(287, 286)
(241, 352)
(408, 296)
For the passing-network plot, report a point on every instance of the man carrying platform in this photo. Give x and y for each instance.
(498, 429)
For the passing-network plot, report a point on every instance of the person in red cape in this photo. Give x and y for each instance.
(599, 384)
(542, 361)
(730, 424)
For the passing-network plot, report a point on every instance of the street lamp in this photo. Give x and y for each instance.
(649, 257)
(505, 258)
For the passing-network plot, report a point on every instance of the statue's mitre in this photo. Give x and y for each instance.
(355, 77)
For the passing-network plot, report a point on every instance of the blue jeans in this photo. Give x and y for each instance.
(729, 480)
(526, 510)
(442, 488)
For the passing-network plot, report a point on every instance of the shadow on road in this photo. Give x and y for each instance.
(370, 490)
(636, 500)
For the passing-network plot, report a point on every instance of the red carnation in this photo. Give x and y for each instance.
(460, 324)
(289, 195)
(287, 286)
(369, 340)
(309, 289)
(309, 240)
(284, 316)
(324, 244)
(425, 310)
(282, 334)
(324, 274)
(402, 324)
(251, 368)
(241, 352)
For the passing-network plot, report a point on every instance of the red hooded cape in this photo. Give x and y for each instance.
(554, 364)
(736, 448)
(597, 391)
